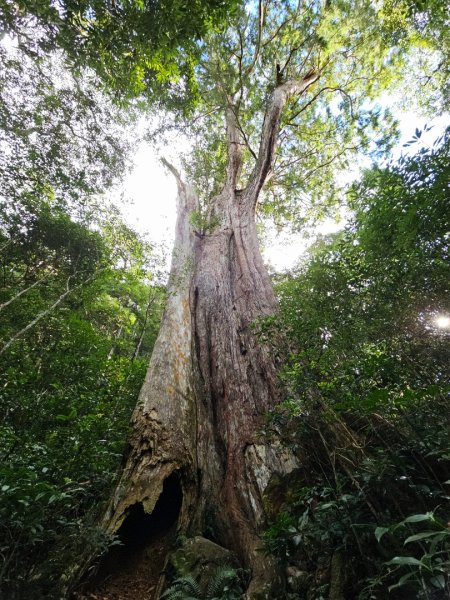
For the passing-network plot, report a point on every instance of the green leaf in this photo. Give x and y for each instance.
(327, 505)
(419, 517)
(438, 581)
(380, 531)
(405, 560)
(401, 582)
(421, 536)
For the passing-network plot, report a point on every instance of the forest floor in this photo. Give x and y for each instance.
(129, 575)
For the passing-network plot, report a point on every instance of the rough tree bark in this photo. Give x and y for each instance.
(210, 380)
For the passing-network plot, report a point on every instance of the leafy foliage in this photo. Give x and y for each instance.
(368, 389)
(60, 138)
(433, 566)
(336, 39)
(134, 47)
(425, 25)
(79, 319)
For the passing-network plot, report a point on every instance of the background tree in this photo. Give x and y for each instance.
(79, 315)
(79, 311)
(367, 392)
(425, 26)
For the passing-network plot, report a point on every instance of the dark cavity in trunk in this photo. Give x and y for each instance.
(144, 543)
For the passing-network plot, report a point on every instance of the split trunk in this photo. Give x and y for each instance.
(210, 380)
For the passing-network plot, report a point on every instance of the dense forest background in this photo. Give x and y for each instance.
(361, 337)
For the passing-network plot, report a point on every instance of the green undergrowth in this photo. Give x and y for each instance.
(78, 318)
(367, 390)
(224, 584)
(377, 494)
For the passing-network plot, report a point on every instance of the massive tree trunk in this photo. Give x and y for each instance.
(210, 380)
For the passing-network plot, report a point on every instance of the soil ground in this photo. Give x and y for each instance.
(131, 576)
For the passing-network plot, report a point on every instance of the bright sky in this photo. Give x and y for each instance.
(152, 191)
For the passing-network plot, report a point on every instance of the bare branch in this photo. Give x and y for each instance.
(45, 312)
(276, 32)
(290, 123)
(24, 291)
(331, 160)
(174, 172)
(205, 114)
(288, 60)
(270, 131)
(151, 301)
(244, 135)
(284, 166)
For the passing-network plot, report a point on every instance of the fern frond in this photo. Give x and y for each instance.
(222, 576)
(183, 588)
(173, 594)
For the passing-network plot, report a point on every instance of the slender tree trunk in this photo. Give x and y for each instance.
(210, 380)
(115, 343)
(24, 291)
(45, 312)
(151, 301)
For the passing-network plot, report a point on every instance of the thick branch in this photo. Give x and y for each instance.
(187, 200)
(270, 131)
(234, 147)
(173, 170)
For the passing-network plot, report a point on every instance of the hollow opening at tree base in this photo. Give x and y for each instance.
(132, 570)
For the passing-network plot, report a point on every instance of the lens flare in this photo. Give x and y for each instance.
(442, 321)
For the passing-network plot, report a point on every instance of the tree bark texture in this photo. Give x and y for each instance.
(210, 380)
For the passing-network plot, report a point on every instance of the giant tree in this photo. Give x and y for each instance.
(285, 94)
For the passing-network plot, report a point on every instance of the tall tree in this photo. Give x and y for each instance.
(425, 25)
(291, 82)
